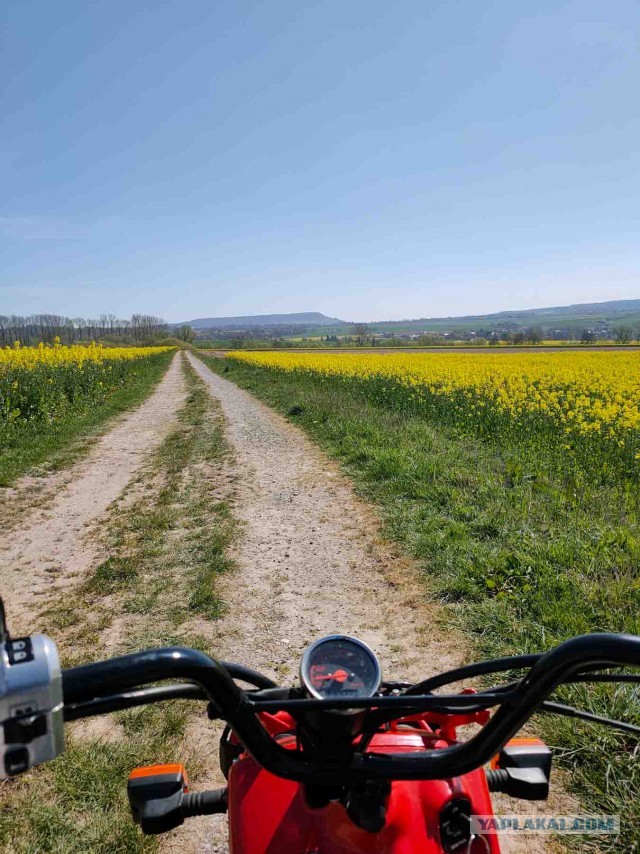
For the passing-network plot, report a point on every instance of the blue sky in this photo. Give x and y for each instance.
(370, 160)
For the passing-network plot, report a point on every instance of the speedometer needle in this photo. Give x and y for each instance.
(338, 676)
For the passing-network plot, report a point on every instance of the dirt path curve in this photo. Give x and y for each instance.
(48, 551)
(311, 562)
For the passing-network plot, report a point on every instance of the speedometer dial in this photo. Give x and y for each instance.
(340, 666)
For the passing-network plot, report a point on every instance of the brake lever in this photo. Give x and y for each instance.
(571, 712)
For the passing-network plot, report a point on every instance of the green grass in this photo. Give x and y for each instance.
(164, 551)
(56, 444)
(519, 560)
(176, 531)
(78, 804)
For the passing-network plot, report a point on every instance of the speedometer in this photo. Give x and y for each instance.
(340, 666)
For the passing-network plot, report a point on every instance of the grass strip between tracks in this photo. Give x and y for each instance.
(165, 546)
(519, 562)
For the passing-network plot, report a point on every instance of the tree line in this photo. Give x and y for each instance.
(47, 327)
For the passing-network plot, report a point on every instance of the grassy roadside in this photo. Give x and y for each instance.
(520, 562)
(57, 444)
(165, 546)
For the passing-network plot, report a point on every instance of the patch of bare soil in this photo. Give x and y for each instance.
(49, 550)
(310, 563)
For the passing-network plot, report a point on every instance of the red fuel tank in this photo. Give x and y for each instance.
(269, 815)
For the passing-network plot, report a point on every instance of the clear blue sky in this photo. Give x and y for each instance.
(366, 159)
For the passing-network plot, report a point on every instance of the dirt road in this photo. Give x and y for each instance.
(46, 550)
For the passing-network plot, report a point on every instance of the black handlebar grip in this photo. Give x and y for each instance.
(204, 803)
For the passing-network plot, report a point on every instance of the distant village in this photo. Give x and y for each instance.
(532, 335)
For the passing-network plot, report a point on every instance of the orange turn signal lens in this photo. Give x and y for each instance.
(518, 742)
(160, 770)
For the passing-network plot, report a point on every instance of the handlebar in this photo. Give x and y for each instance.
(89, 683)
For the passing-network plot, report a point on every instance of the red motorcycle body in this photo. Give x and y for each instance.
(269, 815)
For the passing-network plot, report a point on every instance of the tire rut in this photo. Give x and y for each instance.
(50, 549)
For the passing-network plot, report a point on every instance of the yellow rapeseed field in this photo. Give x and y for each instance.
(42, 383)
(593, 395)
(57, 354)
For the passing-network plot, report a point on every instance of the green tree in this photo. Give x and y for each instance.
(430, 339)
(361, 331)
(185, 333)
(623, 333)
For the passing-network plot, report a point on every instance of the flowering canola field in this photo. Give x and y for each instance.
(42, 383)
(588, 402)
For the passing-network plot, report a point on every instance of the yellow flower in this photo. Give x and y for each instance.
(590, 394)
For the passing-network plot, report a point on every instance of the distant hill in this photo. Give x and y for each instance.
(304, 318)
(600, 309)
(567, 319)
